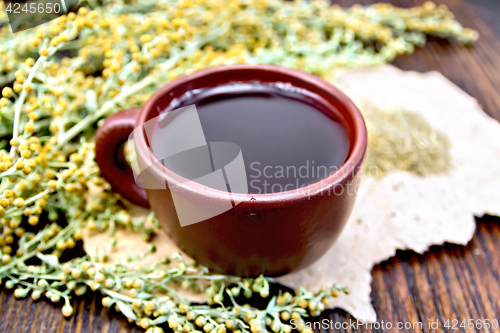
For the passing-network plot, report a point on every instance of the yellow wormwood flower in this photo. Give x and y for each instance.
(30, 62)
(83, 11)
(145, 39)
(19, 202)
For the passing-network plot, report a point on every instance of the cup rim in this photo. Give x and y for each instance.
(341, 176)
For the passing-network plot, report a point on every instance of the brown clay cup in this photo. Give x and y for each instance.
(270, 234)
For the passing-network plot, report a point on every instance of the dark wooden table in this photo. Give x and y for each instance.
(448, 282)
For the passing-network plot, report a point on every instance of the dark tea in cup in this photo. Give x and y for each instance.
(287, 139)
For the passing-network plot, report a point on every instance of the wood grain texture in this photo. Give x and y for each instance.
(448, 282)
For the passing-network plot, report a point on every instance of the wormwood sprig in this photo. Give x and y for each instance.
(148, 296)
(60, 80)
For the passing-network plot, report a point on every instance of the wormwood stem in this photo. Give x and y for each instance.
(30, 201)
(107, 107)
(69, 230)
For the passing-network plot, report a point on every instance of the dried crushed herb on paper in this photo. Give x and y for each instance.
(402, 140)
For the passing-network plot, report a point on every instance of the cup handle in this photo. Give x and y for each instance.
(109, 141)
